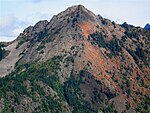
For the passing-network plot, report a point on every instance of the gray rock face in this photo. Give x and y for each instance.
(1, 104)
(8, 63)
(39, 27)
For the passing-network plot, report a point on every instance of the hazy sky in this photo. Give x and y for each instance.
(16, 15)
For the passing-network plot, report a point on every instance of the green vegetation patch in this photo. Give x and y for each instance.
(14, 85)
(98, 38)
(74, 96)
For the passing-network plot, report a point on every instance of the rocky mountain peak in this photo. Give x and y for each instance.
(77, 11)
(71, 17)
(82, 13)
(77, 62)
(147, 26)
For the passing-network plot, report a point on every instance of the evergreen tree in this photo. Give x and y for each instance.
(1, 52)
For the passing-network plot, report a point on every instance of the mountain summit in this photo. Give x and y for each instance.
(78, 62)
(147, 26)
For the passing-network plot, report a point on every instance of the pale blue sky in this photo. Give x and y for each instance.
(16, 15)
